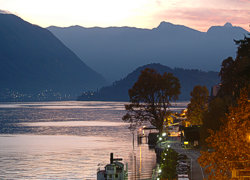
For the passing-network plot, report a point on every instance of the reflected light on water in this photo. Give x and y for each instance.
(67, 105)
(67, 140)
(74, 123)
(67, 157)
(140, 162)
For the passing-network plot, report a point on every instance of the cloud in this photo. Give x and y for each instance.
(158, 2)
(241, 1)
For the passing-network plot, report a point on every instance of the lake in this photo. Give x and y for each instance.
(68, 140)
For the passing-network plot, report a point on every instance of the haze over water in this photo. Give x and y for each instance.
(67, 140)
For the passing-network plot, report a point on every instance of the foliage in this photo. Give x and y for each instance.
(213, 117)
(231, 143)
(198, 105)
(168, 164)
(150, 98)
(235, 74)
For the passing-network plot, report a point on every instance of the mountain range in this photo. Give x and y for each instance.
(33, 59)
(116, 51)
(36, 64)
(118, 91)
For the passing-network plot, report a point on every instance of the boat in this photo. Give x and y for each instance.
(114, 170)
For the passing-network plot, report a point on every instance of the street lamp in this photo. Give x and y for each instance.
(164, 134)
(159, 171)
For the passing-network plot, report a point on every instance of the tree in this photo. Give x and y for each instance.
(212, 118)
(231, 143)
(227, 77)
(198, 105)
(235, 74)
(150, 98)
(168, 164)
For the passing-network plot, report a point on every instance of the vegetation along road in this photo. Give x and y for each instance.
(197, 172)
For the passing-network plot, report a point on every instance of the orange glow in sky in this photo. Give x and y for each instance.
(197, 14)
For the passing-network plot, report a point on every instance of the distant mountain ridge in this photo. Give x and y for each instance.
(116, 51)
(33, 59)
(188, 79)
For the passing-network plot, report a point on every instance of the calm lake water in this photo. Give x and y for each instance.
(67, 140)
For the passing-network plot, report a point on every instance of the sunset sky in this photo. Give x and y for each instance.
(197, 14)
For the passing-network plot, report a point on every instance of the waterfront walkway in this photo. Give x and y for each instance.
(197, 173)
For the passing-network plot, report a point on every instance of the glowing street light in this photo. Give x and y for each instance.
(248, 137)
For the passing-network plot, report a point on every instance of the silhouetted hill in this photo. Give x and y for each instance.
(188, 79)
(116, 51)
(32, 59)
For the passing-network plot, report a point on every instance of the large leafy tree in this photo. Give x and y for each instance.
(235, 74)
(231, 143)
(150, 98)
(212, 118)
(198, 105)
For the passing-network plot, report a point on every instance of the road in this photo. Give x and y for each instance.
(197, 173)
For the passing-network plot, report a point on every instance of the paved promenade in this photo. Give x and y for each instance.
(197, 172)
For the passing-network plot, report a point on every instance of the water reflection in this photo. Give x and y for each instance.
(37, 142)
(74, 123)
(67, 105)
(67, 157)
